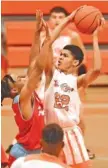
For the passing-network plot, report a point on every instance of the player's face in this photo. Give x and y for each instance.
(19, 82)
(66, 60)
(56, 18)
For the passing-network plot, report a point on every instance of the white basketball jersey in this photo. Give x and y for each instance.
(42, 162)
(62, 102)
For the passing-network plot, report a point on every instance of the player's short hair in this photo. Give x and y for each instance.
(5, 88)
(58, 9)
(82, 70)
(52, 134)
(76, 52)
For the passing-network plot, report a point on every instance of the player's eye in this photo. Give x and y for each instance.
(65, 55)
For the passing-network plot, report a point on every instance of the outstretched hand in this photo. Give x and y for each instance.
(39, 16)
(47, 32)
(101, 23)
(41, 24)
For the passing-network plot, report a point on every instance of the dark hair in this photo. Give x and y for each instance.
(76, 52)
(82, 70)
(58, 9)
(5, 88)
(52, 134)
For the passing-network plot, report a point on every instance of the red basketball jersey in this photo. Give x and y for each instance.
(29, 130)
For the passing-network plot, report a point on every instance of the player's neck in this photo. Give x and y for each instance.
(51, 152)
(70, 71)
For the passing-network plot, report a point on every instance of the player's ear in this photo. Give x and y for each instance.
(75, 63)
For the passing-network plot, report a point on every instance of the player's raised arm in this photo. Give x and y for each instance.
(48, 53)
(50, 38)
(32, 83)
(47, 49)
(56, 32)
(86, 79)
(35, 49)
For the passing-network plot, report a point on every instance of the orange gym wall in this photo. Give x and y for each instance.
(29, 7)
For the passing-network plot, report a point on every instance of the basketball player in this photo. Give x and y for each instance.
(35, 50)
(68, 36)
(62, 102)
(27, 107)
(52, 143)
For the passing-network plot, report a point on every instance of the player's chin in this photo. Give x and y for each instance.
(60, 67)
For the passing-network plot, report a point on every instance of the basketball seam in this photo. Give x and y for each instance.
(93, 22)
(85, 17)
(77, 11)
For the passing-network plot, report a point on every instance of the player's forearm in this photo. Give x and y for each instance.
(49, 61)
(37, 69)
(35, 74)
(43, 56)
(97, 57)
(31, 84)
(34, 51)
(58, 29)
(35, 46)
(34, 80)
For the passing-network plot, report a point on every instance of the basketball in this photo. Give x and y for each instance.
(87, 19)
